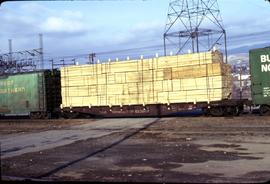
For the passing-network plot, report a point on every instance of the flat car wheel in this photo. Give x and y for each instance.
(264, 110)
(236, 111)
(70, 115)
(217, 111)
(37, 115)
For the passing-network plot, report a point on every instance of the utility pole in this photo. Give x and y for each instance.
(10, 58)
(10, 50)
(41, 51)
(241, 87)
(91, 58)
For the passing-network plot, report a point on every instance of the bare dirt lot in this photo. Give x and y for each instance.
(198, 149)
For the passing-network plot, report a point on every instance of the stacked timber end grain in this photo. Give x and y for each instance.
(199, 77)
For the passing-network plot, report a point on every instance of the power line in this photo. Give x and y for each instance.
(130, 51)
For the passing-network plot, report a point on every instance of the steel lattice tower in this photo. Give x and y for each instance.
(194, 25)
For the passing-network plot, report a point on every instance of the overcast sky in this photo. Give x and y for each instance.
(76, 27)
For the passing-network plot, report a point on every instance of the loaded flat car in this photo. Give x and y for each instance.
(35, 94)
(160, 86)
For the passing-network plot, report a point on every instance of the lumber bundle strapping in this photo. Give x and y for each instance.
(174, 79)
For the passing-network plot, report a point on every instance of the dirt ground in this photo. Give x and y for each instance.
(180, 149)
(8, 126)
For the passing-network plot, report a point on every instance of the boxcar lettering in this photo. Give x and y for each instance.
(12, 90)
(7, 83)
(266, 68)
(3, 91)
(265, 58)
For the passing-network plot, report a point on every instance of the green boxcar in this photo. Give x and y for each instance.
(29, 93)
(259, 60)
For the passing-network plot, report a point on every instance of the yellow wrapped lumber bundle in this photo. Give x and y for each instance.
(200, 77)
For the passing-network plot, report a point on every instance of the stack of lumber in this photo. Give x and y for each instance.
(200, 77)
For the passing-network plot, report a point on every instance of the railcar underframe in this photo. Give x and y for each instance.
(216, 108)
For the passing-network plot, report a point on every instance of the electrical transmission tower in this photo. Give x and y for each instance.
(22, 61)
(194, 26)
